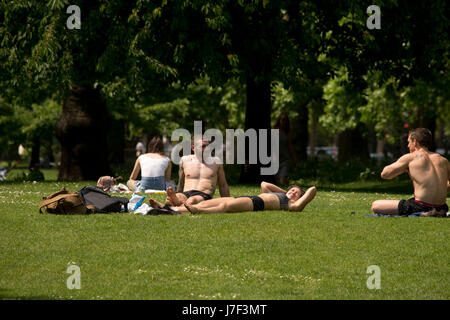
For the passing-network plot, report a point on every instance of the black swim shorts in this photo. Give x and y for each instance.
(258, 203)
(192, 193)
(407, 207)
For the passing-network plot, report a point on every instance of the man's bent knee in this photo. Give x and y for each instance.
(376, 206)
(385, 207)
(194, 200)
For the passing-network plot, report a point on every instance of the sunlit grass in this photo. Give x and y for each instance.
(320, 253)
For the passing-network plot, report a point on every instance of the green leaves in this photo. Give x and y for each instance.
(40, 117)
(342, 102)
(57, 4)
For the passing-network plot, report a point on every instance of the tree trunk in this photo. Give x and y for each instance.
(116, 141)
(352, 145)
(257, 116)
(82, 131)
(300, 134)
(313, 133)
(428, 120)
(35, 152)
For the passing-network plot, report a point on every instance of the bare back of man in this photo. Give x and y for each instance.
(430, 174)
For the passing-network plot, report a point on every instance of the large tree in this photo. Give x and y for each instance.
(380, 73)
(258, 42)
(41, 57)
(128, 51)
(84, 68)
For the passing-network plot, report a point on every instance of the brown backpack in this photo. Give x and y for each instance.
(64, 202)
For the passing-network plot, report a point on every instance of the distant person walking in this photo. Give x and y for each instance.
(286, 151)
(154, 166)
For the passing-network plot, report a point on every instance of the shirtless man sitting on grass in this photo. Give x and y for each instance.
(430, 174)
(197, 180)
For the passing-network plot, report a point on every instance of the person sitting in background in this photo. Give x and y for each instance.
(154, 166)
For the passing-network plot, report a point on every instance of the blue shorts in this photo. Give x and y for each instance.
(155, 183)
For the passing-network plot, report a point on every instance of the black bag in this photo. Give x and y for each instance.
(103, 202)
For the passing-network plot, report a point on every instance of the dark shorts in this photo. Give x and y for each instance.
(192, 193)
(406, 207)
(258, 203)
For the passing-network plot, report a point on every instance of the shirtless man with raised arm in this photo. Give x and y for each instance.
(430, 174)
(197, 180)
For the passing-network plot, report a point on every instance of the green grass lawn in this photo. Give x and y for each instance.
(320, 253)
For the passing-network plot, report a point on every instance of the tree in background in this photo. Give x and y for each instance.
(40, 58)
(258, 42)
(380, 75)
(135, 65)
(91, 71)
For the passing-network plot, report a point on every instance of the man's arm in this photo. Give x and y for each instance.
(448, 176)
(397, 168)
(306, 198)
(224, 190)
(270, 187)
(180, 178)
(168, 172)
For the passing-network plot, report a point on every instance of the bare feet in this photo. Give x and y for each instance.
(154, 203)
(191, 208)
(433, 213)
(172, 198)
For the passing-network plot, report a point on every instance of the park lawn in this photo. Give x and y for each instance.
(320, 253)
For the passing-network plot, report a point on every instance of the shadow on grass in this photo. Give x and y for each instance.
(395, 187)
(5, 294)
(398, 187)
(19, 182)
(15, 182)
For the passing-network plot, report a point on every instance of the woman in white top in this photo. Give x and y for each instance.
(154, 166)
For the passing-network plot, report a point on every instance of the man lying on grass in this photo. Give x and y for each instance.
(271, 198)
(430, 174)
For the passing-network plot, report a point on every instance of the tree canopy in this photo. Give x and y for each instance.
(159, 65)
